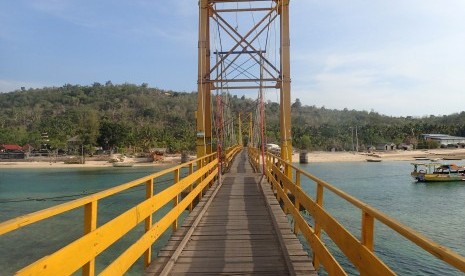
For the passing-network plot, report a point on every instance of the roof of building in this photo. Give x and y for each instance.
(11, 147)
(443, 137)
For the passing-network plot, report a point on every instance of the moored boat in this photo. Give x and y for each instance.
(440, 177)
(437, 172)
(373, 160)
(123, 164)
(420, 158)
(451, 158)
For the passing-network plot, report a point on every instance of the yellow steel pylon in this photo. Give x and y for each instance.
(243, 44)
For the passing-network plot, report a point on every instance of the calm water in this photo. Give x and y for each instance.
(27, 190)
(436, 210)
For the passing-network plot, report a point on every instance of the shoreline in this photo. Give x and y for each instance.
(313, 157)
(394, 155)
(42, 164)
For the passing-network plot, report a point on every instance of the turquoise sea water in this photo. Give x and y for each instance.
(24, 191)
(435, 210)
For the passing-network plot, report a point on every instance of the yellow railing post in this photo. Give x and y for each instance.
(176, 198)
(296, 198)
(199, 166)
(191, 187)
(286, 168)
(212, 157)
(90, 224)
(319, 201)
(269, 167)
(368, 229)
(148, 221)
(275, 176)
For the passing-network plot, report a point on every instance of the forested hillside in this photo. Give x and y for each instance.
(105, 115)
(128, 116)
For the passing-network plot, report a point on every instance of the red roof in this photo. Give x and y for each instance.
(11, 147)
(27, 147)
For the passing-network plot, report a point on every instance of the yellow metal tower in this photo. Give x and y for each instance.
(240, 38)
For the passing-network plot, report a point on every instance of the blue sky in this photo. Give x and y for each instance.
(395, 57)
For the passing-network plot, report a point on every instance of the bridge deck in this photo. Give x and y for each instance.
(237, 229)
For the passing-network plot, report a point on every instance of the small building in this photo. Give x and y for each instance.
(444, 139)
(74, 145)
(10, 147)
(386, 146)
(27, 148)
(159, 151)
(11, 151)
(404, 146)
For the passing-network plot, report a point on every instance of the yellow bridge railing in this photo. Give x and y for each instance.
(96, 238)
(229, 155)
(360, 252)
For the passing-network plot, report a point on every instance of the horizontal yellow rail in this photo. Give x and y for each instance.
(82, 252)
(359, 252)
(230, 153)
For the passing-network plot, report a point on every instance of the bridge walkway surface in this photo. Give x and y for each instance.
(237, 228)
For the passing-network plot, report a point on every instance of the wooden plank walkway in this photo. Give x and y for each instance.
(241, 230)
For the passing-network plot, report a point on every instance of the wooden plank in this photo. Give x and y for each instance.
(231, 244)
(243, 252)
(236, 235)
(207, 267)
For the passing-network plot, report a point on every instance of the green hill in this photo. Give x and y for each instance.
(132, 116)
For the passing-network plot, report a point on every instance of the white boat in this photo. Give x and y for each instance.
(123, 164)
(373, 160)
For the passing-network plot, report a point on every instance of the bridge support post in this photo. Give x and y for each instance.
(285, 90)
(148, 222)
(368, 226)
(204, 131)
(90, 224)
(297, 202)
(319, 201)
(176, 198)
(251, 141)
(239, 134)
(191, 187)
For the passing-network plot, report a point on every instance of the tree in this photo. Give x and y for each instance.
(297, 104)
(88, 129)
(305, 142)
(112, 134)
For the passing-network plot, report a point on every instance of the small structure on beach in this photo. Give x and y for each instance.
(74, 144)
(158, 154)
(404, 146)
(444, 139)
(11, 151)
(386, 146)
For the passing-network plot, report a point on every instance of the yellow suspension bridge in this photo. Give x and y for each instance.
(239, 198)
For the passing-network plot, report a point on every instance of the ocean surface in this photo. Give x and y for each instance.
(435, 210)
(23, 191)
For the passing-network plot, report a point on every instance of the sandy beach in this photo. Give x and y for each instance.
(90, 163)
(313, 156)
(395, 155)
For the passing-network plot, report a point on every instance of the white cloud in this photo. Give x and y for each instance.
(418, 73)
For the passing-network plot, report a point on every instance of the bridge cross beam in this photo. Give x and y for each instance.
(231, 60)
